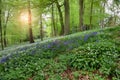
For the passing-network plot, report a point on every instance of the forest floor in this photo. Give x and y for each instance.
(89, 55)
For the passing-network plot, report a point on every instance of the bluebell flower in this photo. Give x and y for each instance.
(4, 59)
(66, 43)
(94, 33)
(21, 49)
(86, 37)
(55, 42)
(48, 46)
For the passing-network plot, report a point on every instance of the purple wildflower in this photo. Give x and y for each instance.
(66, 42)
(48, 46)
(86, 37)
(4, 59)
(94, 33)
(33, 51)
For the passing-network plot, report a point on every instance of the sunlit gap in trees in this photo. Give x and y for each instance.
(108, 8)
(24, 17)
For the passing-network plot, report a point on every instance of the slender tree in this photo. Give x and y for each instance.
(30, 23)
(67, 17)
(1, 38)
(102, 11)
(41, 27)
(91, 13)
(53, 22)
(56, 20)
(5, 26)
(60, 17)
(81, 12)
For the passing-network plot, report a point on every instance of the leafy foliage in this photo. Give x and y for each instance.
(85, 52)
(102, 56)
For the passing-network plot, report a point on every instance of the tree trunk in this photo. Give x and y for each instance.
(56, 21)
(81, 13)
(5, 27)
(30, 23)
(53, 22)
(67, 17)
(102, 11)
(114, 23)
(41, 27)
(1, 38)
(61, 18)
(91, 12)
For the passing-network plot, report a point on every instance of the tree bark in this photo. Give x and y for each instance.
(30, 23)
(81, 13)
(41, 27)
(91, 12)
(56, 20)
(61, 18)
(5, 27)
(53, 22)
(67, 17)
(1, 38)
(102, 11)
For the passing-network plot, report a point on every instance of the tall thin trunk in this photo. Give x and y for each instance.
(91, 12)
(1, 38)
(67, 17)
(5, 27)
(30, 23)
(103, 12)
(81, 11)
(56, 20)
(53, 21)
(114, 22)
(41, 28)
(61, 18)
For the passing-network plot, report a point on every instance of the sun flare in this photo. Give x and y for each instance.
(24, 17)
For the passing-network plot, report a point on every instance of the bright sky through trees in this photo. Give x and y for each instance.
(108, 7)
(24, 17)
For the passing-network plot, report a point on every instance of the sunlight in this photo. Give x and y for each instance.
(24, 17)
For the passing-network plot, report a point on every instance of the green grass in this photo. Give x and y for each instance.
(93, 54)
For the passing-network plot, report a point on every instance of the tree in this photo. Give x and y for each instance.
(41, 27)
(115, 10)
(91, 12)
(30, 23)
(60, 17)
(1, 38)
(53, 22)
(81, 12)
(102, 11)
(67, 17)
(7, 13)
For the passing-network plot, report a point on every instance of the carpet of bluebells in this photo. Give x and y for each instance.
(58, 45)
(89, 55)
